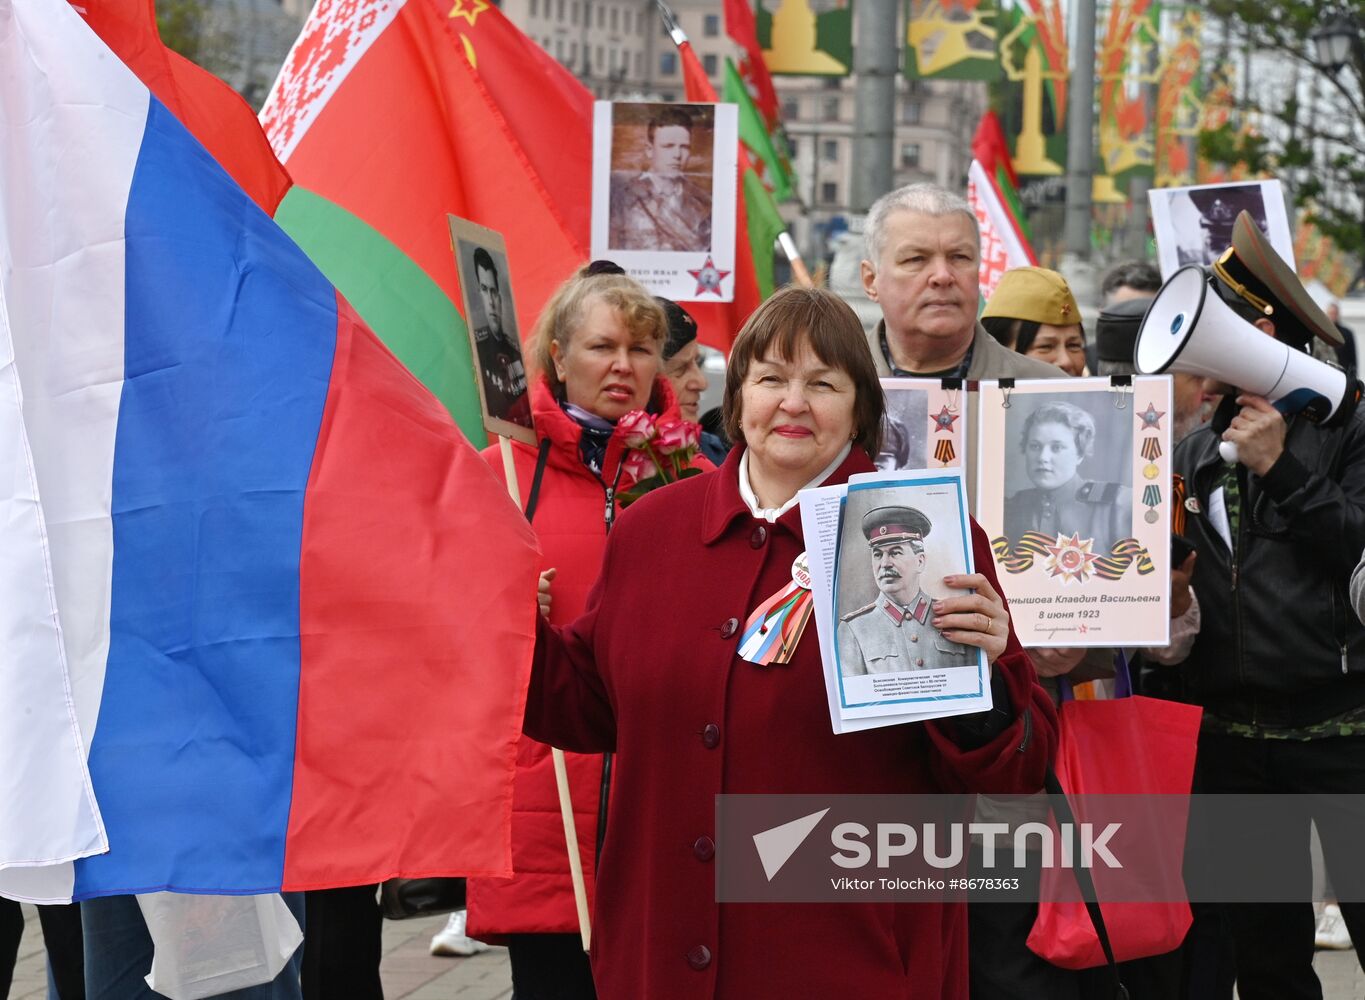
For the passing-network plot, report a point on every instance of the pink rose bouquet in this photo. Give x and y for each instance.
(659, 452)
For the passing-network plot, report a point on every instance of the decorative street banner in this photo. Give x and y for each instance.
(1073, 487)
(1179, 103)
(806, 37)
(1034, 57)
(951, 40)
(925, 425)
(993, 193)
(1129, 67)
(664, 178)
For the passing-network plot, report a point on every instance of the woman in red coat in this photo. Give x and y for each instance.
(651, 671)
(598, 347)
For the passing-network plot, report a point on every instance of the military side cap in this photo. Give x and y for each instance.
(1034, 294)
(1251, 270)
(1117, 328)
(885, 525)
(682, 328)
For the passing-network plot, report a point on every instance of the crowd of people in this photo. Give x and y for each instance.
(1266, 637)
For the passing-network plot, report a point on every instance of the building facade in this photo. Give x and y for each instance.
(621, 50)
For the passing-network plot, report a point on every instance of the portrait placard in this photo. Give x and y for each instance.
(1073, 487)
(663, 195)
(885, 552)
(1193, 225)
(491, 321)
(925, 425)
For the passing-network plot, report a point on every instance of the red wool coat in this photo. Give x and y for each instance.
(571, 528)
(650, 671)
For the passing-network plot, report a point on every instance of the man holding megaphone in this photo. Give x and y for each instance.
(1274, 501)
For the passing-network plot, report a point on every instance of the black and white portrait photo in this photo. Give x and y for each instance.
(896, 546)
(1068, 467)
(661, 177)
(485, 284)
(1193, 225)
(904, 431)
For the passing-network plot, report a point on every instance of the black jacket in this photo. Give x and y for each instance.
(1279, 644)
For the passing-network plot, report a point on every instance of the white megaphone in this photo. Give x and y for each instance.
(1189, 328)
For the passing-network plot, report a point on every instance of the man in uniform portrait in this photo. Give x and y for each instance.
(893, 634)
(500, 364)
(662, 208)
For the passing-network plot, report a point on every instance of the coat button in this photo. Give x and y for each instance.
(730, 627)
(710, 736)
(919, 662)
(759, 536)
(914, 637)
(699, 957)
(704, 849)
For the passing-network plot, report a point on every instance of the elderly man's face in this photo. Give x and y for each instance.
(927, 278)
(897, 566)
(669, 149)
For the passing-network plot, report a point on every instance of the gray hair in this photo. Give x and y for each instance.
(923, 199)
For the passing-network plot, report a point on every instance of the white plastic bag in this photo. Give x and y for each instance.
(208, 945)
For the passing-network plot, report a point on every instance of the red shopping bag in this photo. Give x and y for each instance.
(1127, 745)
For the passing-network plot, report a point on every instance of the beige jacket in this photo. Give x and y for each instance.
(990, 358)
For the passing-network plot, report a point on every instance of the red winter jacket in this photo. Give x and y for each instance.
(688, 720)
(570, 525)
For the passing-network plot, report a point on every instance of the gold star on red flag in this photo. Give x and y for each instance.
(468, 9)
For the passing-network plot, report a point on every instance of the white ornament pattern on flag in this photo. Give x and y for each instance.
(335, 37)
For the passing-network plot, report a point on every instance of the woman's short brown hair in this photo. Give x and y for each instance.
(809, 317)
(563, 315)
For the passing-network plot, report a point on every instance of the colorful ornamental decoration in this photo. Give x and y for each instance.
(1070, 558)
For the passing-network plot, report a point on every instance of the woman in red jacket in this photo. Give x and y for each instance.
(598, 346)
(651, 671)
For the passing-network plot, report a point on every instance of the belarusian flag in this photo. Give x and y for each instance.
(753, 132)
(993, 192)
(383, 120)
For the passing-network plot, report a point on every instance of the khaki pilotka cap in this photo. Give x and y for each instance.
(1034, 294)
(1251, 270)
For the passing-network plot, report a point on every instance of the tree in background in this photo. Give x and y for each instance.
(1305, 123)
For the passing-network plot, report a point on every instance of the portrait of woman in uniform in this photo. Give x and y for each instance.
(1075, 453)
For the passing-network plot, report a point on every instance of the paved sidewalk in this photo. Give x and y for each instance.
(410, 973)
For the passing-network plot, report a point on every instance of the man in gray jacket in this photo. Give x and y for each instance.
(922, 267)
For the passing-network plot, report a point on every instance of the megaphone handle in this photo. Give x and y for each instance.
(1228, 451)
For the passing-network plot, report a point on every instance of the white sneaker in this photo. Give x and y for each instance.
(1331, 930)
(452, 940)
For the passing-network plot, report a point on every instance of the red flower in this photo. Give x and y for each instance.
(676, 435)
(637, 428)
(639, 466)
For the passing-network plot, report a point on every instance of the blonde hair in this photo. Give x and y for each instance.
(563, 315)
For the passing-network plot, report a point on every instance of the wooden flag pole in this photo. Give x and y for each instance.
(580, 889)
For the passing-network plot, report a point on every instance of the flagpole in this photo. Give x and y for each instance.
(799, 272)
(580, 888)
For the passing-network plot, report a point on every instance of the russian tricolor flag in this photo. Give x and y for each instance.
(254, 577)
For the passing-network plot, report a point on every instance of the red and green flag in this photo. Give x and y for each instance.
(759, 221)
(753, 132)
(993, 193)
